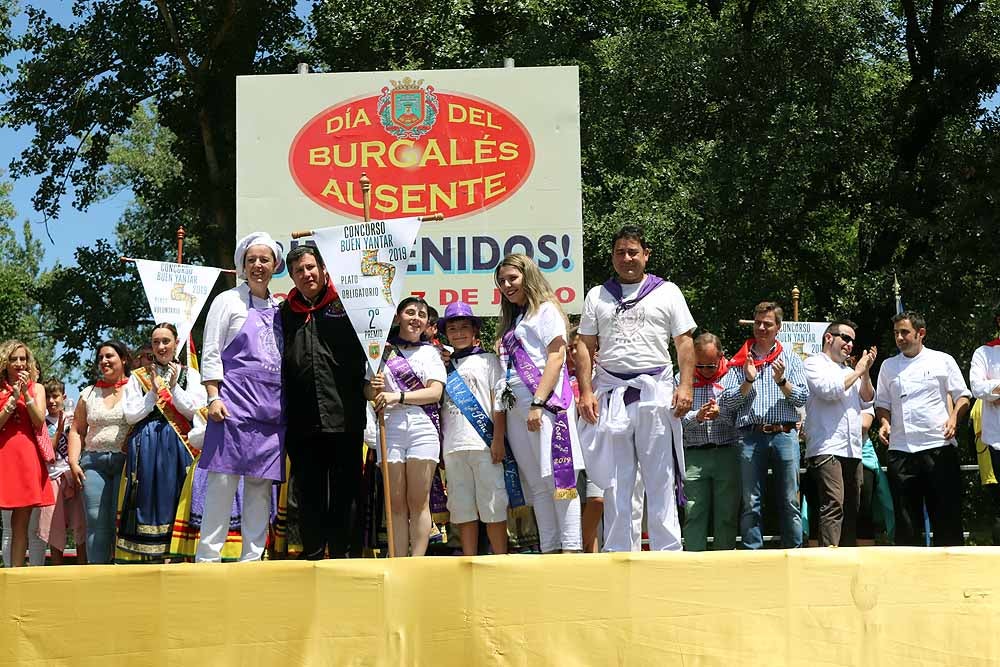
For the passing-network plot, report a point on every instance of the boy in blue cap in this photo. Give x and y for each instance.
(473, 425)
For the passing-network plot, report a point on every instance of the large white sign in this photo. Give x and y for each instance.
(496, 151)
(367, 262)
(176, 293)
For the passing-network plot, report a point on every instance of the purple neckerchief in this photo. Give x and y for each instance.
(407, 378)
(632, 393)
(466, 352)
(615, 289)
(563, 471)
(631, 396)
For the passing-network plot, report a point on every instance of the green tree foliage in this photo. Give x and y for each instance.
(100, 296)
(820, 143)
(20, 262)
(81, 83)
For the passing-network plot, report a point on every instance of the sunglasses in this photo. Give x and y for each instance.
(844, 337)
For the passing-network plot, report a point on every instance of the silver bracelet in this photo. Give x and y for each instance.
(30, 401)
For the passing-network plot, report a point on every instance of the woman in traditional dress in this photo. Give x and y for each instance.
(24, 477)
(536, 392)
(409, 392)
(160, 400)
(99, 429)
(241, 369)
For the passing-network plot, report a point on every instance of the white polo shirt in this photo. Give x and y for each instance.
(915, 391)
(637, 339)
(833, 414)
(984, 376)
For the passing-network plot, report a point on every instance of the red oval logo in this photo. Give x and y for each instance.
(425, 152)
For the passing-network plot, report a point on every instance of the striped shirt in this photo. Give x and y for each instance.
(718, 431)
(765, 403)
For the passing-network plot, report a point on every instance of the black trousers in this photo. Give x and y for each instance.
(930, 477)
(327, 470)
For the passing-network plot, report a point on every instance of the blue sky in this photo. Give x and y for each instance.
(73, 228)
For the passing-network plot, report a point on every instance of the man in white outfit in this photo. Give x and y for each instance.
(630, 402)
(984, 376)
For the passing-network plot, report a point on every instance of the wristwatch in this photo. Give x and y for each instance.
(537, 403)
(782, 382)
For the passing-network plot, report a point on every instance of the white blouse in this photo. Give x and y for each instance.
(138, 404)
(107, 427)
(226, 317)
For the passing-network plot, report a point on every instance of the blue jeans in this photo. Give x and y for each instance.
(100, 498)
(781, 450)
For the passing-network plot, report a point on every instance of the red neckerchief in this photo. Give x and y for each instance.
(993, 343)
(101, 384)
(701, 381)
(298, 303)
(741, 356)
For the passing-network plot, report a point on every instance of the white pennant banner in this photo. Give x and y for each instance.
(176, 293)
(367, 262)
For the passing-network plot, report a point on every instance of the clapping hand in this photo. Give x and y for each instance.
(708, 411)
(778, 368)
(866, 360)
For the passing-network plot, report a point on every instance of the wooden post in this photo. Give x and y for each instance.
(366, 193)
(181, 235)
(795, 304)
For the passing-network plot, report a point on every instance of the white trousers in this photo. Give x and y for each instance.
(36, 545)
(220, 491)
(638, 509)
(558, 521)
(653, 456)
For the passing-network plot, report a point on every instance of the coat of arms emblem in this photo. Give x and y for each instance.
(374, 349)
(409, 109)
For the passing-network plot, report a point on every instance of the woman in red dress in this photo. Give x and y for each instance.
(23, 475)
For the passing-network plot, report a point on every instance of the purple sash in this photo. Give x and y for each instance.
(632, 395)
(407, 378)
(615, 289)
(563, 471)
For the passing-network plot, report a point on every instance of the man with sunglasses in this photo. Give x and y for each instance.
(920, 398)
(837, 396)
(711, 455)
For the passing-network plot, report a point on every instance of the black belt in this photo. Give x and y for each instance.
(784, 427)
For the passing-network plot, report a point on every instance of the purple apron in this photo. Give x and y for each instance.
(251, 440)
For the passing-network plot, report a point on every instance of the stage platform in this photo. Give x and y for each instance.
(869, 606)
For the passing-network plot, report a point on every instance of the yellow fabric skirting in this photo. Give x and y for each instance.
(870, 606)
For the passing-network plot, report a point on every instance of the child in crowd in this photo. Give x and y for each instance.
(473, 430)
(409, 391)
(68, 512)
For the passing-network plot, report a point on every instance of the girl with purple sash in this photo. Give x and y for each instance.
(245, 435)
(409, 391)
(541, 416)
